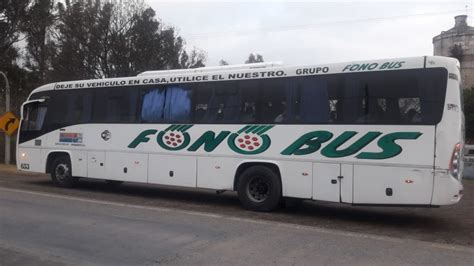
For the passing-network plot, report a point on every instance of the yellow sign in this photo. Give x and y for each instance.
(9, 123)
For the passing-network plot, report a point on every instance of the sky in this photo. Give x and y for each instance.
(310, 32)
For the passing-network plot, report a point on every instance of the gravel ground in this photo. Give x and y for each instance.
(449, 224)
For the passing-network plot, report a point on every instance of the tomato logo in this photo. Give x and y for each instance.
(250, 139)
(174, 137)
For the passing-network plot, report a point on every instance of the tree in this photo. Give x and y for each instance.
(78, 40)
(12, 19)
(98, 40)
(254, 58)
(38, 29)
(222, 62)
(195, 59)
(469, 112)
(12, 13)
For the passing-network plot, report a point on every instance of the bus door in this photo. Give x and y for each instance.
(332, 182)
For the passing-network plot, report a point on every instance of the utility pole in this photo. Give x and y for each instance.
(7, 109)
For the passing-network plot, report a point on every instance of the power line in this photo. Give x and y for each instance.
(311, 26)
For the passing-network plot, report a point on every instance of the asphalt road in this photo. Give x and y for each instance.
(44, 225)
(46, 229)
(446, 225)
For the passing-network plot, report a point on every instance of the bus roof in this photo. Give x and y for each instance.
(210, 69)
(253, 71)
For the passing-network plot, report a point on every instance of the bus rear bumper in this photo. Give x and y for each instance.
(447, 190)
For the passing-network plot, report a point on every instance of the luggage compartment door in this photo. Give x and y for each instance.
(126, 166)
(332, 182)
(392, 185)
(172, 170)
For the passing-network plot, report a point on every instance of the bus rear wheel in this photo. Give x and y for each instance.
(61, 173)
(259, 189)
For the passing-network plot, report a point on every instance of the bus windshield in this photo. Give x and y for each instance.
(34, 114)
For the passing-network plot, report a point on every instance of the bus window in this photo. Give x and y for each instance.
(153, 103)
(58, 109)
(273, 105)
(224, 105)
(249, 90)
(79, 108)
(201, 102)
(391, 97)
(410, 109)
(177, 104)
(313, 101)
(115, 105)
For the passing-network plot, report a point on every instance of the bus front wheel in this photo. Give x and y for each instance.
(61, 173)
(259, 189)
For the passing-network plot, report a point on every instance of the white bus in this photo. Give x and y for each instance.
(383, 132)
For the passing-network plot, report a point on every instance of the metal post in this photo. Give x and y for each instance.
(7, 109)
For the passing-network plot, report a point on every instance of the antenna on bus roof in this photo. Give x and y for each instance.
(211, 69)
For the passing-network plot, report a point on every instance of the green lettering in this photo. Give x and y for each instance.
(389, 147)
(331, 149)
(312, 141)
(209, 140)
(142, 137)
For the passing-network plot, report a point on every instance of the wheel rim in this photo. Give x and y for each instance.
(62, 172)
(258, 189)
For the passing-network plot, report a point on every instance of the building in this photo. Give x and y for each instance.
(458, 42)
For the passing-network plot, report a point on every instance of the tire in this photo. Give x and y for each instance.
(61, 172)
(259, 189)
(113, 183)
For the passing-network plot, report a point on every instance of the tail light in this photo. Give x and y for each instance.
(456, 161)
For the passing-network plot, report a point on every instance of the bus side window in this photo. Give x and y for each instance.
(115, 105)
(313, 102)
(273, 105)
(120, 105)
(80, 107)
(224, 105)
(58, 109)
(177, 107)
(250, 93)
(152, 106)
(410, 110)
(202, 96)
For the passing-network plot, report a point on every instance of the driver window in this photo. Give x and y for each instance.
(34, 117)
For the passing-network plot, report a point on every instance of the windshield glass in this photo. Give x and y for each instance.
(33, 117)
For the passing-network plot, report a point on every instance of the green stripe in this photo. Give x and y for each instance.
(174, 127)
(169, 128)
(243, 129)
(250, 129)
(180, 127)
(257, 128)
(263, 130)
(185, 127)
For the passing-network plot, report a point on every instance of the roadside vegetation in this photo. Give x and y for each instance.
(45, 41)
